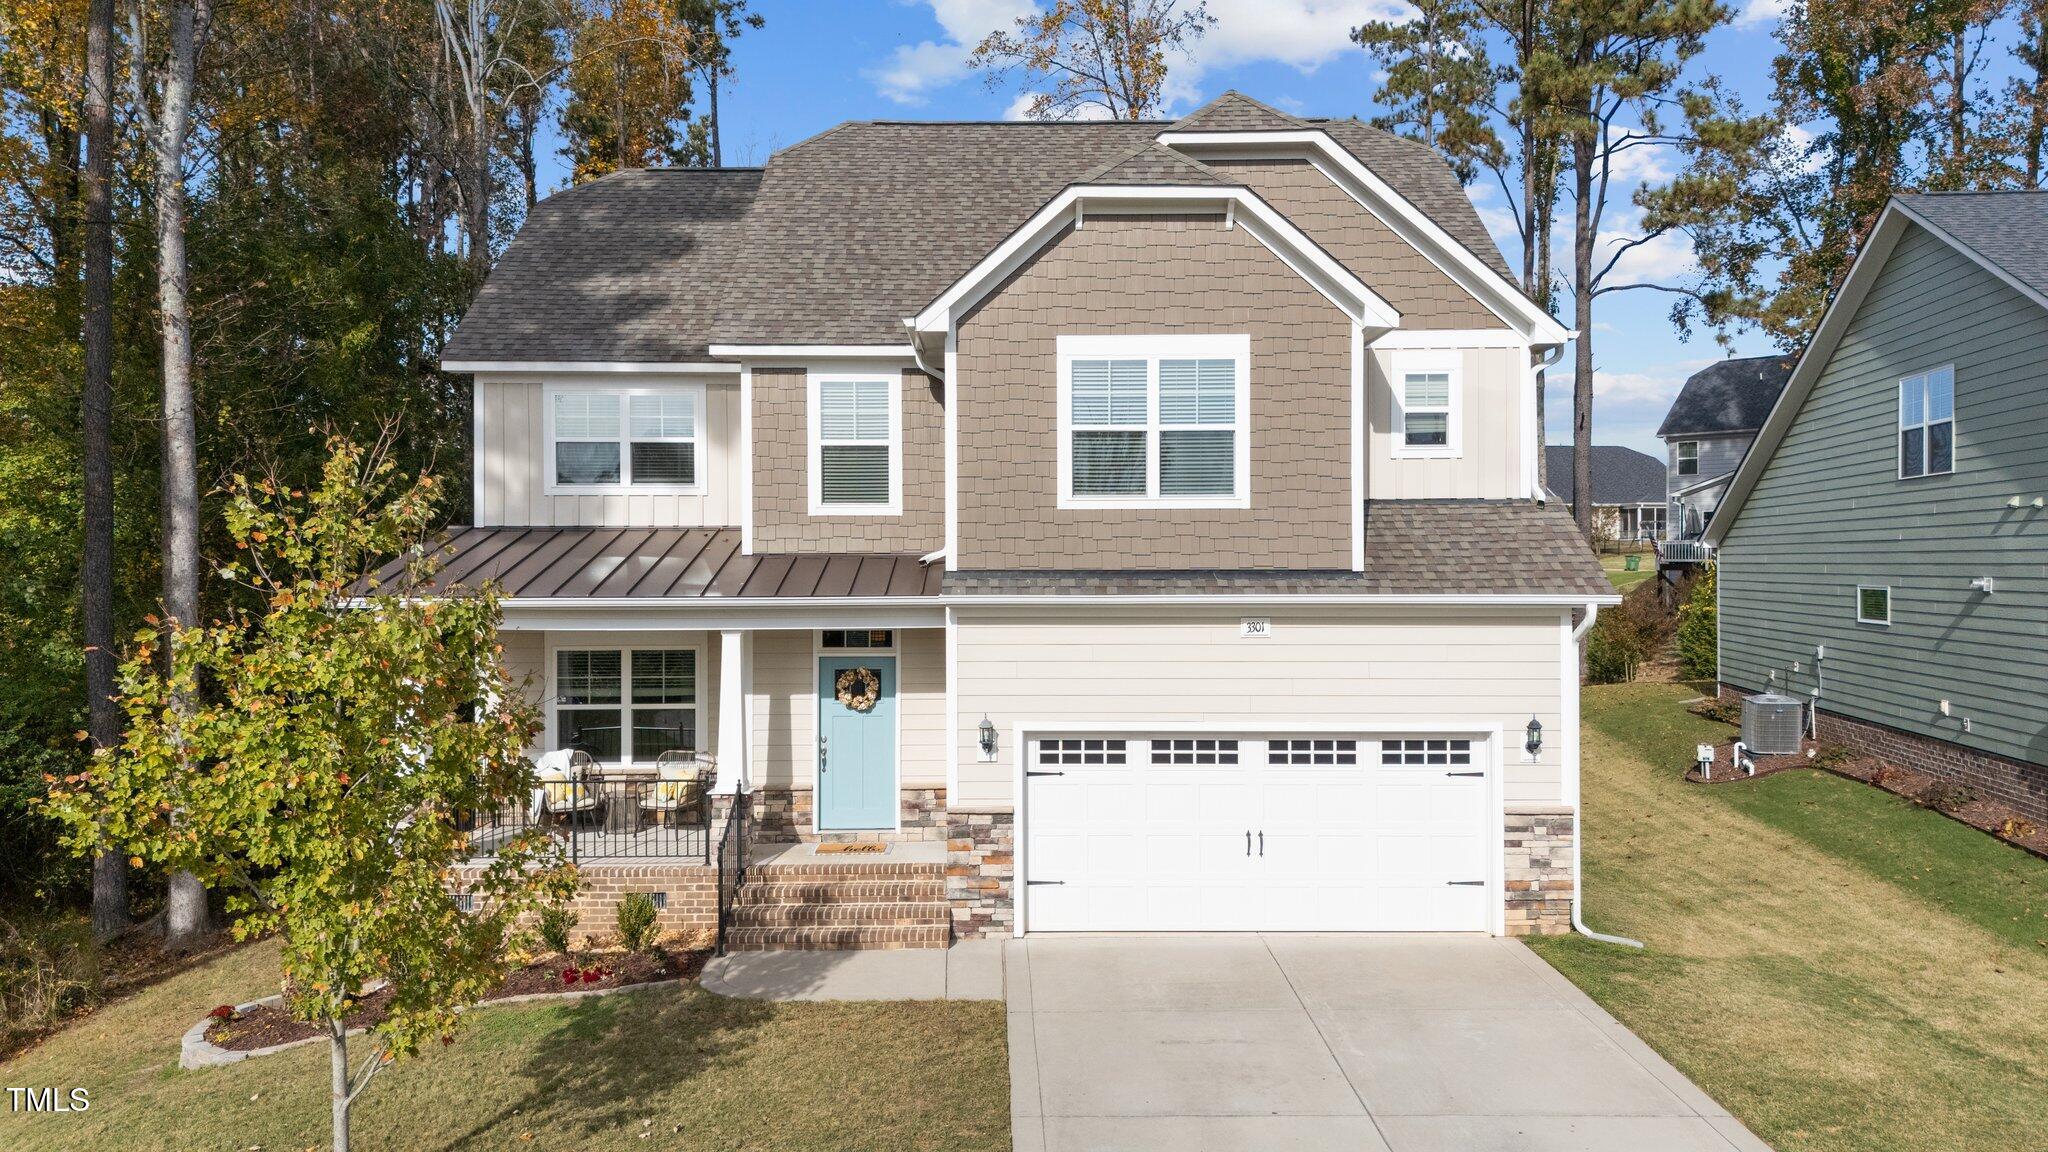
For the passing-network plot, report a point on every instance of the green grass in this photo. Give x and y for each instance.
(1618, 574)
(1843, 970)
(690, 1069)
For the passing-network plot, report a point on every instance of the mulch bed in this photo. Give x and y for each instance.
(1944, 796)
(272, 1024)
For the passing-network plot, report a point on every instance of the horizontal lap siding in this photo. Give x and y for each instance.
(1151, 275)
(512, 464)
(1719, 455)
(785, 708)
(1186, 665)
(1829, 513)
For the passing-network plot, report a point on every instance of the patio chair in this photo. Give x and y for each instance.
(568, 785)
(678, 784)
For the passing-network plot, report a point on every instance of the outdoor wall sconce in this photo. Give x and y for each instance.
(988, 738)
(1534, 743)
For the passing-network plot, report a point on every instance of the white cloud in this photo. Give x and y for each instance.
(1760, 12)
(1655, 387)
(914, 70)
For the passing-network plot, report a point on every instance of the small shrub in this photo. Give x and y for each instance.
(1948, 797)
(556, 922)
(1699, 629)
(1626, 636)
(636, 921)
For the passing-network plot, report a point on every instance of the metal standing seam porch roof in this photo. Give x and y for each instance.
(539, 563)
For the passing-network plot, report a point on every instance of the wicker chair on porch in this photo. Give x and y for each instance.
(680, 779)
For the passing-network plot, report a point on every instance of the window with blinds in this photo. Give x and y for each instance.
(1426, 399)
(1154, 424)
(854, 426)
(625, 439)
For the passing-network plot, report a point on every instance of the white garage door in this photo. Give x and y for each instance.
(1175, 833)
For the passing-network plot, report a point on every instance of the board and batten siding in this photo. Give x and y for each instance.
(784, 702)
(1492, 462)
(512, 462)
(1329, 665)
(1829, 513)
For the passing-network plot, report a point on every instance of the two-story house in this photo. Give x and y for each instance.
(1135, 522)
(1710, 425)
(1883, 550)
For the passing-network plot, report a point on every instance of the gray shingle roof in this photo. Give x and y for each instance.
(626, 267)
(844, 234)
(2009, 229)
(1620, 475)
(1236, 112)
(1412, 548)
(1729, 396)
(655, 563)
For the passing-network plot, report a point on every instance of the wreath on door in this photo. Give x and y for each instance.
(857, 688)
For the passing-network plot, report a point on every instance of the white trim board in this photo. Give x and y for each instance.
(815, 351)
(608, 367)
(1269, 227)
(1500, 295)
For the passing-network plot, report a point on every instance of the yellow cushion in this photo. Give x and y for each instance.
(563, 794)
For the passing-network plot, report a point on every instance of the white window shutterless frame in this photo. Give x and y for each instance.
(1154, 421)
(1927, 424)
(605, 440)
(1429, 405)
(856, 443)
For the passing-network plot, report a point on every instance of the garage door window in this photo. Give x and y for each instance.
(1426, 752)
(1312, 752)
(1081, 751)
(1194, 751)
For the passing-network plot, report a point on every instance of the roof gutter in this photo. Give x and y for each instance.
(923, 365)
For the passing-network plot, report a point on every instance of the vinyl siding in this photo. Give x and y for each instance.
(1147, 275)
(1423, 293)
(782, 477)
(1828, 513)
(785, 709)
(1719, 455)
(512, 463)
(1493, 463)
(526, 661)
(1486, 665)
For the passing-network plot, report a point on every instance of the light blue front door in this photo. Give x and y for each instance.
(856, 748)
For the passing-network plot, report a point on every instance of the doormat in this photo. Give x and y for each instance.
(852, 849)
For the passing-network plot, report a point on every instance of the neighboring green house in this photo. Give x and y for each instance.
(1885, 543)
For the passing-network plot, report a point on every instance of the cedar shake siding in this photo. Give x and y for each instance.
(1425, 296)
(782, 477)
(1148, 275)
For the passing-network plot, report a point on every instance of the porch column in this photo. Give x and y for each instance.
(732, 714)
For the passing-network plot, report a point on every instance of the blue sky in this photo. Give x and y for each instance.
(817, 63)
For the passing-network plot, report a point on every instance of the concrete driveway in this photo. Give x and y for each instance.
(1331, 1042)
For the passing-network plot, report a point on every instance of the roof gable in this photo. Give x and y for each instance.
(1733, 395)
(1236, 112)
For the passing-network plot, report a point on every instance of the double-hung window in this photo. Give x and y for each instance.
(1927, 424)
(1688, 457)
(626, 705)
(1426, 405)
(856, 444)
(643, 439)
(1154, 421)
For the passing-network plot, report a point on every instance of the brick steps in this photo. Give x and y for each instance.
(837, 938)
(837, 906)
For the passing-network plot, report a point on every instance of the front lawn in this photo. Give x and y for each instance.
(1840, 969)
(661, 1068)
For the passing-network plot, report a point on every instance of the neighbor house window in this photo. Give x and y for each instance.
(1154, 421)
(1873, 604)
(626, 705)
(625, 439)
(1426, 404)
(1688, 457)
(1927, 423)
(856, 445)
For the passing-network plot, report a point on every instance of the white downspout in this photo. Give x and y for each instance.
(1579, 830)
(1539, 377)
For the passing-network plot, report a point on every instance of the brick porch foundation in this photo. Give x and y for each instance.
(1539, 869)
(690, 891)
(2017, 783)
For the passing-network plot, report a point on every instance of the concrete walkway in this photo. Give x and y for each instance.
(1392, 1043)
(969, 970)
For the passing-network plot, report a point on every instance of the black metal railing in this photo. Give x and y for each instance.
(607, 817)
(732, 864)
